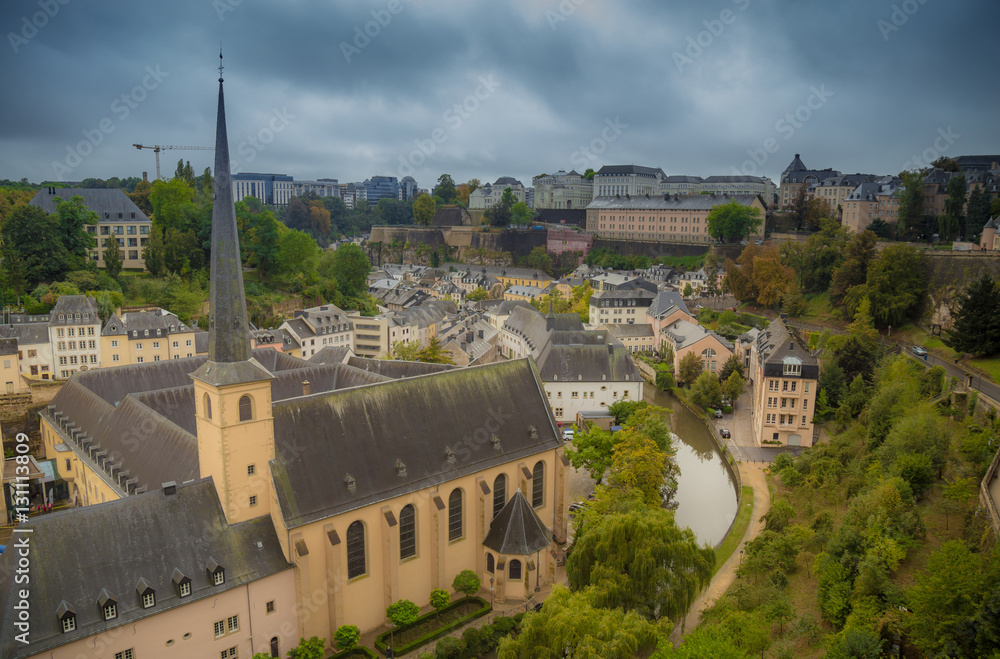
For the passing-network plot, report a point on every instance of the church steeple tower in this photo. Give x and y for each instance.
(229, 330)
(232, 390)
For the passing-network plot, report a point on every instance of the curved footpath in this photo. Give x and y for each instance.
(753, 476)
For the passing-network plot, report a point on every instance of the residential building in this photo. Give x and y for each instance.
(377, 482)
(871, 201)
(674, 218)
(581, 370)
(34, 350)
(681, 185)
(562, 190)
(685, 337)
(470, 340)
(317, 327)
(618, 307)
(989, 238)
(836, 189)
(118, 218)
(630, 180)
(526, 293)
(665, 308)
(353, 194)
(271, 189)
(635, 338)
(75, 335)
(619, 281)
(795, 177)
(488, 195)
(152, 335)
(11, 380)
(381, 187)
(741, 185)
(559, 241)
(784, 379)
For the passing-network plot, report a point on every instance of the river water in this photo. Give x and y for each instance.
(706, 489)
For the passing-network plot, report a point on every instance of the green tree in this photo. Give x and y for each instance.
(112, 257)
(732, 365)
(896, 284)
(978, 212)
(402, 612)
(639, 560)
(297, 252)
(433, 354)
(944, 597)
(540, 259)
(859, 252)
(34, 236)
(689, 368)
(13, 269)
(592, 450)
(445, 189)
(638, 464)
(440, 598)
(911, 204)
(346, 637)
(312, 648)
(976, 328)
(571, 625)
(499, 215)
(706, 390)
(732, 387)
(74, 217)
(477, 294)
(424, 208)
(350, 267)
(954, 206)
(688, 291)
(466, 582)
(733, 221)
(705, 641)
(521, 214)
(153, 255)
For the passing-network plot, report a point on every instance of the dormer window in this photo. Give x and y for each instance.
(216, 572)
(62, 316)
(791, 366)
(182, 583)
(67, 616)
(146, 594)
(108, 604)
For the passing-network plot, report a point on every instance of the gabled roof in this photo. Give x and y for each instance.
(795, 166)
(78, 553)
(685, 334)
(27, 334)
(364, 431)
(517, 529)
(619, 170)
(667, 301)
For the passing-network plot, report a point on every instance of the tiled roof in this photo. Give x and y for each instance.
(100, 200)
(669, 202)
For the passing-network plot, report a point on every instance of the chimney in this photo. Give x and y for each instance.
(145, 177)
(169, 488)
(306, 388)
(611, 349)
(480, 334)
(470, 337)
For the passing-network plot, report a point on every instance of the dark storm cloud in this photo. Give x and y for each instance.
(349, 90)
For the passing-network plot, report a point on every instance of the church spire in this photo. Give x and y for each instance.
(229, 331)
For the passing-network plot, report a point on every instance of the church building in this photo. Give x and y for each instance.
(318, 492)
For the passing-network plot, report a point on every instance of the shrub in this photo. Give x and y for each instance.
(782, 461)
(450, 647)
(347, 636)
(467, 582)
(476, 642)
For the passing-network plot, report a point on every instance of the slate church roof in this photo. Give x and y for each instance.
(517, 530)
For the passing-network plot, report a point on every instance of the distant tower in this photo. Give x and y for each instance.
(232, 390)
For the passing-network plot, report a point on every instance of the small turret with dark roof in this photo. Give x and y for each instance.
(795, 166)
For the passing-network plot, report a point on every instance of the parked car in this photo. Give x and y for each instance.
(568, 434)
(725, 434)
(920, 351)
(718, 414)
(758, 242)
(577, 506)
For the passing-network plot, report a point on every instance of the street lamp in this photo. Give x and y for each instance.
(741, 564)
(389, 652)
(491, 593)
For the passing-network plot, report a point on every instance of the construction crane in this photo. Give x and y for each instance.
(159, 147)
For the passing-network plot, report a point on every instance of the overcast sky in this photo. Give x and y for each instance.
(486, 89)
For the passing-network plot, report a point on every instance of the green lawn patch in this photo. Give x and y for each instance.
(818, 306)
(682, 262)
(989, 365)
(736, 531)
(430, 626)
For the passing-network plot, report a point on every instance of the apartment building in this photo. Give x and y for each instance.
(835, 190)
(271, 189)
(146, 335)
(797, 176)
(685, 337)
(118, 218)
(631, 180)
(488, 195)
(872, 201)
(316, 328)
(620, 307)
(784, 379)
(674, 218)
(74, 334)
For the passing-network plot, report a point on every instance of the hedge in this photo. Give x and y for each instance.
(380, 641)
(355, 652)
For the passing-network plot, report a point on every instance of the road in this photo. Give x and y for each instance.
(968, 378)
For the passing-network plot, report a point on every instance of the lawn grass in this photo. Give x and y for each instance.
(818, 307)
(988, 365)
(685, 263)
(736, 531)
